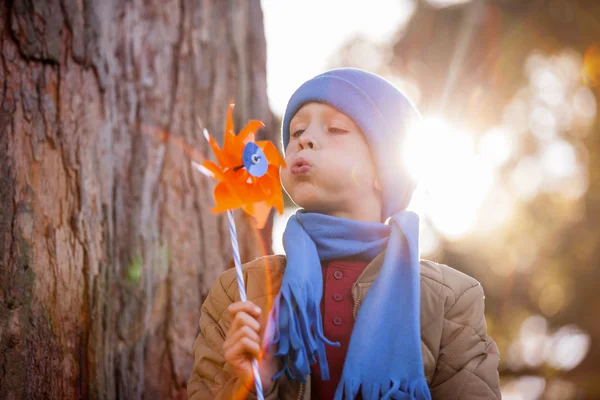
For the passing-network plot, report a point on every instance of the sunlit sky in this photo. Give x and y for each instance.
(303, 35)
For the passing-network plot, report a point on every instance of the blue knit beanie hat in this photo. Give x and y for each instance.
(380, 110)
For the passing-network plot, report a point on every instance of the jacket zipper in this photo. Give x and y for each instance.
(301, 391)
(358, 298)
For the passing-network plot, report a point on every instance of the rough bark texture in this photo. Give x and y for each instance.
(107, 243)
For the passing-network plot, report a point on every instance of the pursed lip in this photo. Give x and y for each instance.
(300, 166)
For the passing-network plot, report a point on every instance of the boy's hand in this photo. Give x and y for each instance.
(243, 342)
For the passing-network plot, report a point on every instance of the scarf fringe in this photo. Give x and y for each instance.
(296, 329)
(391, 390)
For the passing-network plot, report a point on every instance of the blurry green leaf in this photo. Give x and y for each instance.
(134, 270)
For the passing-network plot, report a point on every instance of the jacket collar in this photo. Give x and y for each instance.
(371, 270)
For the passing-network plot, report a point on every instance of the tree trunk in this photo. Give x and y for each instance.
(108, 246)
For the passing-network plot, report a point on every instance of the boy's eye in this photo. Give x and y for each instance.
(297, 133)
(337, 130)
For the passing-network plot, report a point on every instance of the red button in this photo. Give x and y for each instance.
(338, 275)
(337, 321)
(338, 297)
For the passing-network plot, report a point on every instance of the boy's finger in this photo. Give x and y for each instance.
(240, 350)
(244, 306)
(241, 319)
(245, 331)
(250, 347)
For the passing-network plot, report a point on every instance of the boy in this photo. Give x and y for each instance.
(350, 311)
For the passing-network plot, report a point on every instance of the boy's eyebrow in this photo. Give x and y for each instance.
(299, 116)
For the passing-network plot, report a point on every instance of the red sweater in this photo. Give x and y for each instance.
(336, 307)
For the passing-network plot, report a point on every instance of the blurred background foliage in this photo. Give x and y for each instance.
(508, 160)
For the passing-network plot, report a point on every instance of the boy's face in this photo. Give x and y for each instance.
(330, 169)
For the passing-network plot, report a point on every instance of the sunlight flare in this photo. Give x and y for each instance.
(454, 179)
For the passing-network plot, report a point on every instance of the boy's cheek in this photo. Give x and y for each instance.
(362, 175)
(285, 178)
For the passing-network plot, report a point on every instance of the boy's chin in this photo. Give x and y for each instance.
(316, 206)
(315, 199)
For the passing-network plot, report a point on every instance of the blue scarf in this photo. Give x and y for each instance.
(384, 359)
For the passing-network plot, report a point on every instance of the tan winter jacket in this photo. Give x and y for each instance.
(460, 360)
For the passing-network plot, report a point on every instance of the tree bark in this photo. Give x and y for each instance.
(108, 245)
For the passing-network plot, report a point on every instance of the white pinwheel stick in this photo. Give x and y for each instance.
(238, 270)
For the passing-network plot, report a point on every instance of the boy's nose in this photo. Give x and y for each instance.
(306, 142)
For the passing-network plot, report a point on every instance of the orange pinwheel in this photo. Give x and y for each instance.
(247, 171)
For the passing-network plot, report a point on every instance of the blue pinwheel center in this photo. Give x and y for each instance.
(254, 159)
